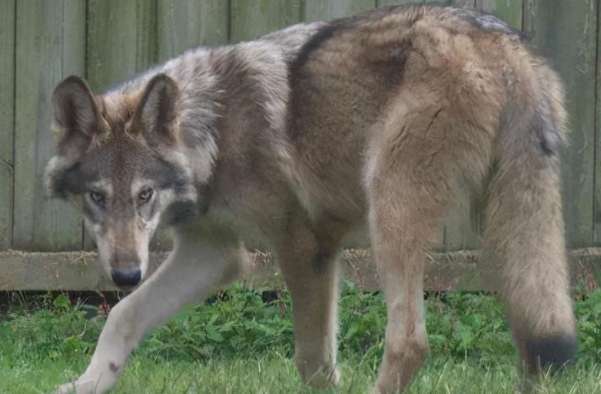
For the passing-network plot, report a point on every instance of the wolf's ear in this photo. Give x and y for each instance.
(76, 115)
(156, 113)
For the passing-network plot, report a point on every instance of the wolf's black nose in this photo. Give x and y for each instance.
(126, 277)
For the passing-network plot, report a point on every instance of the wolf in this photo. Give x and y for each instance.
(300, 140)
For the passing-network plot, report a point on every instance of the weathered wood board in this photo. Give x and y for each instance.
(251, 19)
(121, 40)
(462, 226)
(316, 10)
(7, 118)
(444, 271)
(565, 32)
(402, 2)
(511, 11)
(108, 41)
(185, 24)
(50, 45)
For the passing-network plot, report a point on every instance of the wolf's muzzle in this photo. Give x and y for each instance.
(126, 277)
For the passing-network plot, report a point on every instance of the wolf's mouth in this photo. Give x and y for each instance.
(127, 289)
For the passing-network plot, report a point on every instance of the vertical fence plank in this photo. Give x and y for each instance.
(7, 97)
(250, 19)
(508, 10)
(463, 3)
(122, 40)
(323, 10)
(565, 33)
(403, 2)
(597, 189)
(460, 224)
(49, 46)
(184, 24)
(460, 229)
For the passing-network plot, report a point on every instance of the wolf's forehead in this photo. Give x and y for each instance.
(113, 164)
(117, 110)
(123, 164)
(111, 180)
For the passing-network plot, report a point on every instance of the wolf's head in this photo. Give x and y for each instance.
(118, 159)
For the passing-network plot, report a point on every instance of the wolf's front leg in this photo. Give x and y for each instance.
(308, 263)
(190, 273)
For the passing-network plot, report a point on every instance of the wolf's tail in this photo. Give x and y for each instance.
(524, 233)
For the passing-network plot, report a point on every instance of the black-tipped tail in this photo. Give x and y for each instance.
(551, 354)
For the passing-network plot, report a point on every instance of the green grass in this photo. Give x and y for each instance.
(242, 343)
(274, 372)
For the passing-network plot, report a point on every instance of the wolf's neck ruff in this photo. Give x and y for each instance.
(211, 82)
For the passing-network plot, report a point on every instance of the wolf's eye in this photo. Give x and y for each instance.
(145, 195)
(98, 198)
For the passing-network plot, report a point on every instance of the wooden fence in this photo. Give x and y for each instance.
(42, 41)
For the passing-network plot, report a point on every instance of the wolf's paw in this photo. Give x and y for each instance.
(77, 387)
(323, 378)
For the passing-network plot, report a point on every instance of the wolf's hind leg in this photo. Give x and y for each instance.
(421, 151)
(191, 272)
(403, 221)
(524, 238)
(311, 274)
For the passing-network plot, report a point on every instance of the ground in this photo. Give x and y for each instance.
(275, 373)
(241, 342)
